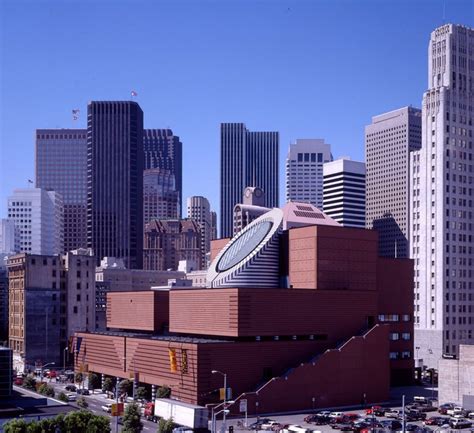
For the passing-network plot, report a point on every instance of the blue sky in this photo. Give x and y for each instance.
(308, 69)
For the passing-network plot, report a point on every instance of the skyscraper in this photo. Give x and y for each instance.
(247, 159)
(39, 216)
(115, 180)
(213, 225)
(389, 139)
(160, 198)
(304, 171)
(199, 210)
(442, 204)
(61, 166)
(344, 192)
(164, 150)
(9, 236)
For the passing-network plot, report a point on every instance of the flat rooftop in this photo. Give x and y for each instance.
(174, 338)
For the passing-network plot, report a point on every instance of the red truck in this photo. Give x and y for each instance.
(149, 412)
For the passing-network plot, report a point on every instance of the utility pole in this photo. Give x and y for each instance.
(403, 415)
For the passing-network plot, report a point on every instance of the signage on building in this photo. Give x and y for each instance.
(117, 409)
(243, 405)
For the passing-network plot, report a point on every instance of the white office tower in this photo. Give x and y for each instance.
(39, 216)
(389, 139)
(304, 171)
(9, 237)
(199, 209)
(442, 204)
(344, 192)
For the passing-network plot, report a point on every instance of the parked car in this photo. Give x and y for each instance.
(52, 374)
(258, 424)
(460, 423)
(409, 427)
(391, 424)
(375, 410)
(415, 415)
(436, 420)
(71, 388)
(83, 391)
(268, 425)
(310, 418)
(394, 413)
(71, 397)
(18, 381)
(443, 409)
(456, 410)
(107, 407)
(321, 420)
(336, 414)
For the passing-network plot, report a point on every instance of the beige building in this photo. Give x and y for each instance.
(113, 276)
(50, 298)
(456, 378)
(389, 140)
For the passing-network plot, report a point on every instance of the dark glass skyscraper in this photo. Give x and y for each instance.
(115, 180)
(164, 150)
(61, 166)
(247, 159)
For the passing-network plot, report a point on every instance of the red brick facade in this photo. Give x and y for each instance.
(338, 335)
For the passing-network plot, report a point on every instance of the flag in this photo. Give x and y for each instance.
(184, 361)
(133, 93)
(75, 114)
(30, 181)
(173, 364)
(78, 344)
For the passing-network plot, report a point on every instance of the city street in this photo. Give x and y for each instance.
(95, 401)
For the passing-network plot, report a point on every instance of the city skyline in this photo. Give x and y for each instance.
(267, 96)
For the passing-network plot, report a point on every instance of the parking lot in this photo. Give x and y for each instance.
(357, 421)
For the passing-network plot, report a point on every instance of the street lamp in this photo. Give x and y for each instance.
(225, 392)
(213, 408)
(214, 418)
(64, 357)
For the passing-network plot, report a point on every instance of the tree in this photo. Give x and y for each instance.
(46, 390)
(141, 393)
(82, 403)
(15, 426)
(94, 381)
(98, 424)
(163, 392)
(63, 397)
(165, 425)
(74, 422)
(131, 419)
(108, 385)
(125, 386)
(78, 377)
(29, 383)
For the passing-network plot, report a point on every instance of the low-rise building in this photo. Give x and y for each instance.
(113, 276)
(50, 299)
(455, 384)
(6, 372)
